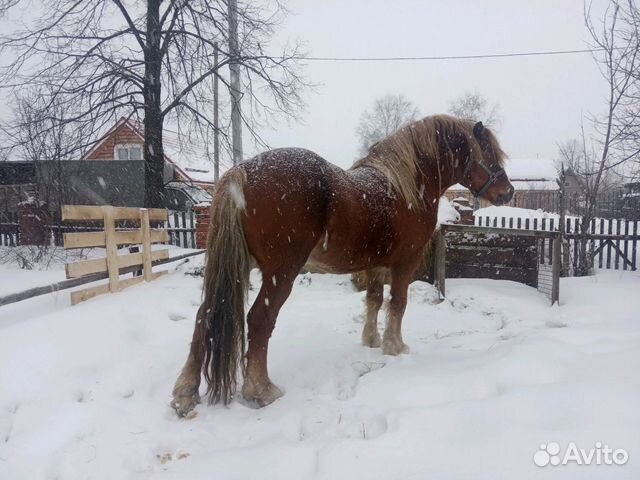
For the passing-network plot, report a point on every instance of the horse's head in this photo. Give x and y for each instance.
(484, 174)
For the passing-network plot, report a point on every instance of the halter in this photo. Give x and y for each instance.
(493, 176)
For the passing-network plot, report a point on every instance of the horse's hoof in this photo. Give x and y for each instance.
(184, 405)
(371, 340)
(394, 347)
(261, 395)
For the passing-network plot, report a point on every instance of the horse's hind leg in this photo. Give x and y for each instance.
(370, 334)
(185, 391)
(261, 320)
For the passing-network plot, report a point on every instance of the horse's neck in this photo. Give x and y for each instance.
(439, 175)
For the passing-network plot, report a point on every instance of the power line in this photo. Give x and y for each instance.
(449, 57)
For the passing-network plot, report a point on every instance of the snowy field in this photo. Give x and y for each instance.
(493, 373)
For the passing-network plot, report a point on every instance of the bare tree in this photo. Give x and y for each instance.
(578, 157)
(615, 138)
(387, 115)
(151, 61)
(51, 144)
(475, 106)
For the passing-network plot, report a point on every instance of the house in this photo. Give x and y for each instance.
(184, 162)
(112, 173)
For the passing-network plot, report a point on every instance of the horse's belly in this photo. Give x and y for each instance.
(337, 261)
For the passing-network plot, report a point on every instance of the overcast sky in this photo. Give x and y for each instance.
(541, 98)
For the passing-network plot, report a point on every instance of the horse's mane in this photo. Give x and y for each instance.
(397, 156)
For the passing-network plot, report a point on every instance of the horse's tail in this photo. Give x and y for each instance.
(226, 281)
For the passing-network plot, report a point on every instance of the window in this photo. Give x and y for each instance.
(176, 200)
(128, 152)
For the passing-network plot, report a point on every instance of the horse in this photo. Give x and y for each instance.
(288, 208)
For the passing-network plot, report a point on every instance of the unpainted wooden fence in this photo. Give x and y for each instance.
(111, 238)
(181, 227)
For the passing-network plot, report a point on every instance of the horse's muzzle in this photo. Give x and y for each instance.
(504, 198)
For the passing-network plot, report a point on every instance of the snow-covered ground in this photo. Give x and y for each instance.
(493, 373)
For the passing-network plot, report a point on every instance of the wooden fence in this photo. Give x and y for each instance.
(111, 238)
(614, 242)
(181, 227)
(526, 256)
(9, 229)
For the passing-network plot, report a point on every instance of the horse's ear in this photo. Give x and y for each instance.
(478, 129)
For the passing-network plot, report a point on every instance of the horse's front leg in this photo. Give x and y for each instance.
(185, 391)
(401, 277)
(370, 334)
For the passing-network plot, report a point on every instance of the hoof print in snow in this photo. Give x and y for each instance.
(362, 368)
(82, 397)
(168, 457)
(343, 424)
(556, 324)
(177, 317)
(127, 393)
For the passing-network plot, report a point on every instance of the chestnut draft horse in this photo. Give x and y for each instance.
(288, 208)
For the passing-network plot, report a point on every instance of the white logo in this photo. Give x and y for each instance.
(550, 454)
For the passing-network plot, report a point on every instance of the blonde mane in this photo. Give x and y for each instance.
(397, 156)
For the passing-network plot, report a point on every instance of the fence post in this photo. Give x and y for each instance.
(111, 248)
(439, 261)
(146, 244)
(555, 272)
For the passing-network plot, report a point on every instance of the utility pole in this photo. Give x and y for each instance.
(216, 128)
(236, 94)
(562, 201)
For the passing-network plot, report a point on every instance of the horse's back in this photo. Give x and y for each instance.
(300, 208)
(287, 193)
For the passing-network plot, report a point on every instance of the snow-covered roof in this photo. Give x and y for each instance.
(192, 156)
(534, 184)
(531, 168)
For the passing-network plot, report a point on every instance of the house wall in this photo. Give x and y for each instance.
(17, 184)
(91, 183)
(121, 135)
